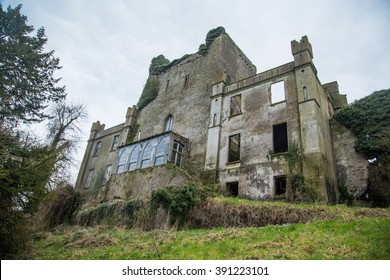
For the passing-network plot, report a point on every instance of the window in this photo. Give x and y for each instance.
(186, 81)
(169, 123)
(305, 96)
(98, 147)
(235, 105)
(123, 156)
(115, 142)
(161, 152)
(280, 138)
(277, 92)
(89, 178)
(232, 189)
(280, 185)
(107, 173)
(166, 86)
(146, 156)
(234, 148)
(134, 158)
(177, 153)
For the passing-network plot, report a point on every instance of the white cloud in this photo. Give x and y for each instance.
(105, 47)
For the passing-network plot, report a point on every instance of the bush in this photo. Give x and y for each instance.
(177, 200)
(62, 207)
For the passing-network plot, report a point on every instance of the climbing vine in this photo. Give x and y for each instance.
(177, 200)
(149, 92)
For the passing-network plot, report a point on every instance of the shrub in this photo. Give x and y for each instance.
(177, 200)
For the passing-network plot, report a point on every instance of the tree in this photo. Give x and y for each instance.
(27, 82)
(27, 88)
(63, 135)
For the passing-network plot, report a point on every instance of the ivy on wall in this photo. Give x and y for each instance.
(149, 92)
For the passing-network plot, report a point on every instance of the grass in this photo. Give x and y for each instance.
(357, 238)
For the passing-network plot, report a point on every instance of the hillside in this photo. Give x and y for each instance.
(327, 232)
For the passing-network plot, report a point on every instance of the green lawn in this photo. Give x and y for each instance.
(345, 237)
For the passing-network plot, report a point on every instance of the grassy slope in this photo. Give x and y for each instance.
(354, 233)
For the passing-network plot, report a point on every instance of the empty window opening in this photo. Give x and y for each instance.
(235, 105)
(98, 147)
(89, 178)
(169, 123)
(115, 142)
(234, 148)
(280, 138)
(277, 92)
(177, 154)
(186, 81)
(280, 185)
(232, 189)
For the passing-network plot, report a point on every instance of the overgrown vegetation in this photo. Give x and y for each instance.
(177, 201)
(29, 166)
(352, 233)
(133, 129)
(149, 93)
(369, 119)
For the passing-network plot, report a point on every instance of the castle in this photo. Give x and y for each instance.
(263, 136)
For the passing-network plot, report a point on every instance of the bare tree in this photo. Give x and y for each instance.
(64, 130)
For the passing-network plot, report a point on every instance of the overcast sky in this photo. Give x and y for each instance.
(105, 47)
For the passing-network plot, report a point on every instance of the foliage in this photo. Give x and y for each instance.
(210, 37)
(378, 191)
(369, 119)
(351, 238)
(177, 200)
(61, 208)
(158, 65)
(133, 129)
(345, 196)
(149, 92)
(27, 82)
(98, 183)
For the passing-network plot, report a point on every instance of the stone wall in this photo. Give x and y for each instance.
(352, 168)
(141, 183)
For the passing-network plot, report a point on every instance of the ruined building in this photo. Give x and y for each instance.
(258, 135)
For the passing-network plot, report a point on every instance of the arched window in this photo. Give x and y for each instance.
(169, 123)
(123, 156)
(134, 158)
(161, 151)
(305, 96)
(177, 153)
(146, 155)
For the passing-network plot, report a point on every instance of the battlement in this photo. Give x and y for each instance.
(96, 126)
(301, 46)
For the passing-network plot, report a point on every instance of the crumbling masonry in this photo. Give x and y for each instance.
(263, 136)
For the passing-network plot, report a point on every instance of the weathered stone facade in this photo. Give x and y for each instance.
(238, 127)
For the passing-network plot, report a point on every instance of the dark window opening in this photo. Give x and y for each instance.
(186, 81)
(166, 86)
(232, 189)
(280, 185)
(280, 138)
(234, 148)
(98, 147)
(115, 142)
